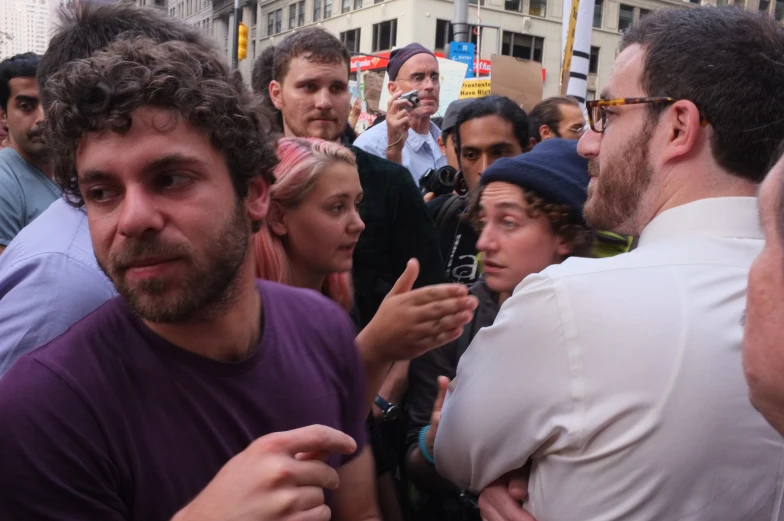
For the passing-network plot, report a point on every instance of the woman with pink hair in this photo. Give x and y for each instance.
(308, 241)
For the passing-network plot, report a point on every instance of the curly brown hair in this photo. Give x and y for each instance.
(192, 81)
(564, 221)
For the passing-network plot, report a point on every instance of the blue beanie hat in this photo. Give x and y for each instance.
(553, 170)
(400, 56)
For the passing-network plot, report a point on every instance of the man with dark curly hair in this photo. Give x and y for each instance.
(201, 393)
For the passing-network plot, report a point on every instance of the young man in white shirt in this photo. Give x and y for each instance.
(407, 136)
(620, 380)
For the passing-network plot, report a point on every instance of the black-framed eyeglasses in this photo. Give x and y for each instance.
(597, 109)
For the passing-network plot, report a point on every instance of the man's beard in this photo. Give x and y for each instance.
(616, 194)
(209, 287)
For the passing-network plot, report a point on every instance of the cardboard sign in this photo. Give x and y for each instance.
(475, 88)
(518, 80)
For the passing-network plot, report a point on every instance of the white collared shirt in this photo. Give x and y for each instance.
(621, 379)
(420, 153)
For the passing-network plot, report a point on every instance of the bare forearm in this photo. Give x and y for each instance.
(424, 475)
(395, 155)
(376, 369)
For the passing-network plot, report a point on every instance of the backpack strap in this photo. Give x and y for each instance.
(448, 211)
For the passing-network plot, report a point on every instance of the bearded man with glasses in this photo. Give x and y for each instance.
(619, 381)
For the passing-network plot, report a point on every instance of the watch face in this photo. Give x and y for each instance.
(393, 413)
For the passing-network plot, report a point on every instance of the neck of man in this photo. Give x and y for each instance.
(304, 278)
(227, 336)
(712, 183)
(41, 163)
(420, 123)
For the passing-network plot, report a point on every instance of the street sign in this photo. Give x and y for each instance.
(463, 52)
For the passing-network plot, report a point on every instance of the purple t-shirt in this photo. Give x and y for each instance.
(111, 422)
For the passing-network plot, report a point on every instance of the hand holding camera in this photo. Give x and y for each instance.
(398, 118)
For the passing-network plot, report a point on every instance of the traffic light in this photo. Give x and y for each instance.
(242, 41)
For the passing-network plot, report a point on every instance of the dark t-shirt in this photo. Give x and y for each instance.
(109, 421)
(457, 240)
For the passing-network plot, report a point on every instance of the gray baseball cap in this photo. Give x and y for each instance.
(454, 108)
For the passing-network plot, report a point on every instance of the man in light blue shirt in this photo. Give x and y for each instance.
(407, 136)
(26, 186)
(49, 279)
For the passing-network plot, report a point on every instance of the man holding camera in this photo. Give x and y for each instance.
(407, 136)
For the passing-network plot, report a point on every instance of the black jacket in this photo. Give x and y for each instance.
(397, 228)
(424, 371)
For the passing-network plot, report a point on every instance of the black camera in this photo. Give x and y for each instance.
(412, 97)
(440, 182)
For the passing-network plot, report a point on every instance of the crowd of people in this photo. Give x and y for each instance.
(217, 302)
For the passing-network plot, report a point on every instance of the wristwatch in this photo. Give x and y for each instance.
(390, 411)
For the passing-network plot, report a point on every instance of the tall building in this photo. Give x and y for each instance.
(192, 12)
(529, 29)
(24, 27)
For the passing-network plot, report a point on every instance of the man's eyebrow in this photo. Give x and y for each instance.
(97, 175)
(23, 97)
(606, 94)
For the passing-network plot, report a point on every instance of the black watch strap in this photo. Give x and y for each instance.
(390, 411)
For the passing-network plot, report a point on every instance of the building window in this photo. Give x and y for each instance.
(764, 5)
(278, 21)
(316, 10)
(644, 13)
(722, 3)
(377, 1)
(597, 13)
(384, 35)
(522, 46)
(590, 95)
(513, 5)
(445, 34)
(473, 2)
(357, 4)
(351, 40)
(625, 18)
(270, 24)
(593, 63)
(346, 6)
(327, 8)
(292, 16)
(538, 8)
(253, 50)
(301, 14)
(779, 12)
(254, 17)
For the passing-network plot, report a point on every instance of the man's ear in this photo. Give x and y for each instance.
(442, 144)
(392, 87)
(546, 132)
(275, 90)
(563, 249)
(257, 202)
(683, 129)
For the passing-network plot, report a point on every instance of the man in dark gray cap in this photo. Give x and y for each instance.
(408, 136)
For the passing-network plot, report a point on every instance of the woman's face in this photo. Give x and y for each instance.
(322, 231)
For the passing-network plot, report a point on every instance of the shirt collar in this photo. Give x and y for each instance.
(417, 140)
(730, 217)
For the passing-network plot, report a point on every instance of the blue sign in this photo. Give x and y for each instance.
(463, 52)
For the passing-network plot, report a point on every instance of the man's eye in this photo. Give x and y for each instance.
(173, 180)
(337, 209)
(101, 194)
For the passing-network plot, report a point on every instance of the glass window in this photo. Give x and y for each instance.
(270, 24)
(522, 46)
(327, 8)
(443, 32)
(254, 16)
(278, 21)
(301, 13)
(316, 10)
(384, 35)
(357, 4)
(644, 13)
(351, 40)
(346, 6)
(292, 16)
(779, 12)
(513, 5)
(473, 2)
(625, 17)
(593, 63)
(537, 8)
(764, 5)
(597, 13)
